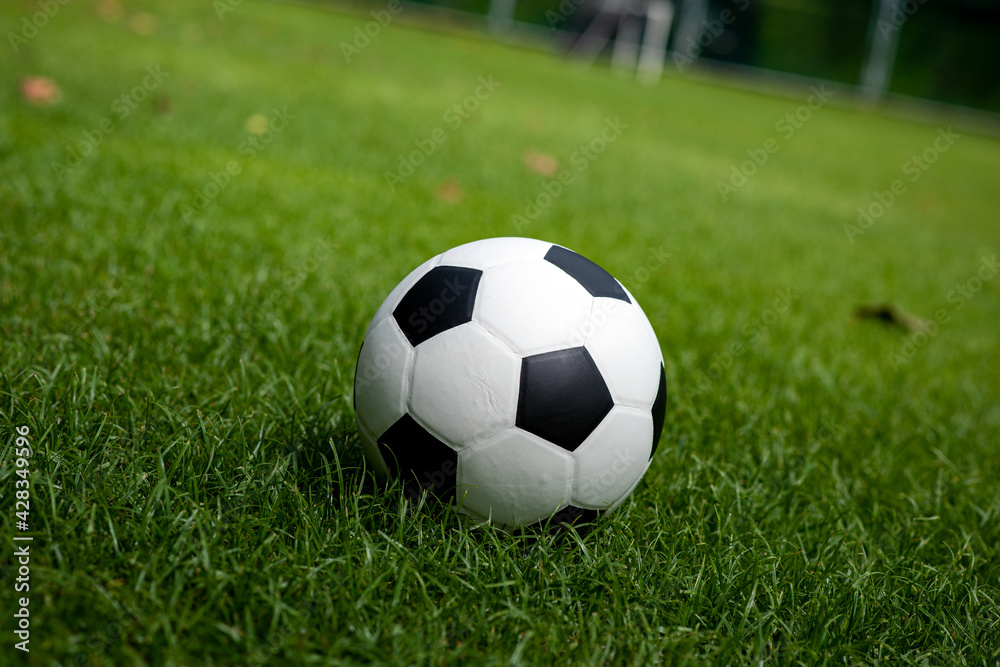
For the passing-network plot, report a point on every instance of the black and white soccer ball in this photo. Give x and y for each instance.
(514, 379)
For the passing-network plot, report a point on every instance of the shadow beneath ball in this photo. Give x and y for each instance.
(441, 504)
(561, 526)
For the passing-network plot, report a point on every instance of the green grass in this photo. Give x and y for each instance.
(197, 492)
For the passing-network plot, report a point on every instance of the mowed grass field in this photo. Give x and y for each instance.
(182, 353)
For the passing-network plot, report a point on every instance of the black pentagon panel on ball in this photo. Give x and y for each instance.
(594, 279)
(419, 459)
(443, 298)
(659, 411)
(563, 396)
(574, 516)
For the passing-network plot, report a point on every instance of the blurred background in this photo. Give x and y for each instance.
(942, 51)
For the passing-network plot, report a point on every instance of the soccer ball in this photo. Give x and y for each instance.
(514, 379)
